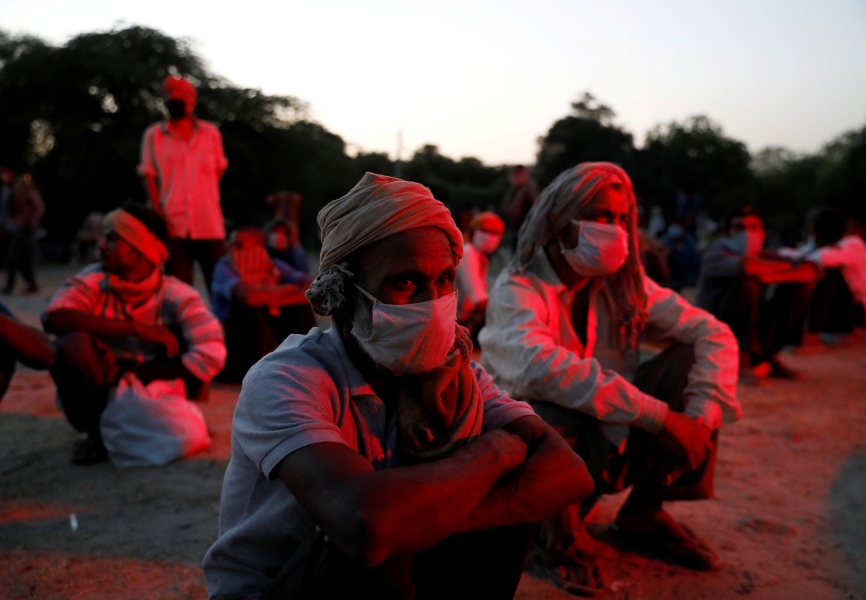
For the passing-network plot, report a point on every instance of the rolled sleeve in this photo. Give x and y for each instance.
(711, 391)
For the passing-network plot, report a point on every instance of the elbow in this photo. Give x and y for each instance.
(51, 324)
(365, 541)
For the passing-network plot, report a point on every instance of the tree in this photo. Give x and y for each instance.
(588, 134)
(695, 153)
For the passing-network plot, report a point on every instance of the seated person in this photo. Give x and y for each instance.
(485, 233)
(259, 301)
(124, 315)
(373, 460)
(564, 325)
(284, 244)
(21, 343)
(736, 275)
(838, 302)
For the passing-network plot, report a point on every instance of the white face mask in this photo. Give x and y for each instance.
(601, 249)
(409, 338)
(485, 242)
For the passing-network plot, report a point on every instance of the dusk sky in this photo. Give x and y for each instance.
(486, 79)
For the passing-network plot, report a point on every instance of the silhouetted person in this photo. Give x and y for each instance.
(24, 212)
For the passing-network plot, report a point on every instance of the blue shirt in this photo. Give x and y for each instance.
(225, 278)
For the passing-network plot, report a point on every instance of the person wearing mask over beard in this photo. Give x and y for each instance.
(182, 161)
(373, 459)
(736, 284)
(485, 231)
(564, 326)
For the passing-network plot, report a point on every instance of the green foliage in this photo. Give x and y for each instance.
(586, 135)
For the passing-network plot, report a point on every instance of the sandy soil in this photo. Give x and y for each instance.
(787, 520)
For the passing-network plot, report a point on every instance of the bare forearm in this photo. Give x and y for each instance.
(63, 321)
(552, 477)
(280, 295)
(152, 189)
(29, 345)
(374, 515)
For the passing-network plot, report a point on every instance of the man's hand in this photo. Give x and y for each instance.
(162, 336)
(508, 449)
(687, 438)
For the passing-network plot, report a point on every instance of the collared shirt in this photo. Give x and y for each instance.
(471, 278)
(306, 392)
(174, 304)
(188, 174)
(226, 278)
(530, 348)
(849, 255)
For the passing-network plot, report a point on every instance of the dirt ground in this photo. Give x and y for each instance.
(788, 518)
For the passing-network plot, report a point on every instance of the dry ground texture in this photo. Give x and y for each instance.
(787, 520)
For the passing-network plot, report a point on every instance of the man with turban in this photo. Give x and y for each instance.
(564, 328)
(373, 460)
(182, 161)
(123, 315)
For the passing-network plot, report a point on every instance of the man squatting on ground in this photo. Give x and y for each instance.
(564, 324)
(123, 315)
(375, 450)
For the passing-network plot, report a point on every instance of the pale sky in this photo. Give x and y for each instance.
(486, 78)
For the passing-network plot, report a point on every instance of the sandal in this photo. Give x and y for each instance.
(577, 575)
(676, 541)
(88, 451)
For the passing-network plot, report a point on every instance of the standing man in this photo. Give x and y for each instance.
(182, 161)
(373, 460)
(564, 326)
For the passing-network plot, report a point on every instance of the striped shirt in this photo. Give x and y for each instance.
(174, 304)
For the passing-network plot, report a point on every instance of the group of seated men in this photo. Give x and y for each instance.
(374, 459)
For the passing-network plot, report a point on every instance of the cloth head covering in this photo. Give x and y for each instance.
(377, 207)
(490, 221)
(137, 235)
(564, 200)
(176, 87)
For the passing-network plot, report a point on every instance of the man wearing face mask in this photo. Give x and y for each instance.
(182, 161)
(734, 285)
(485, 232)
(564, 324)
(373, 460)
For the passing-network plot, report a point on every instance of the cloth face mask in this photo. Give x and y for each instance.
(601, 249)
(410, 338)
(485, 242)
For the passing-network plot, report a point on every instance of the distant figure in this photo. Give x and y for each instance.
(734, 285)
(688, 207)
(182, 161)
(124, 316)
(286, 205)
(284, 243)
(21, 343)
(7, 182)
(655, 225)
(521, 195)
(259, 300)
(839, 298)
(23, 214)
(89, 238)
(485, 233)
(684, 258)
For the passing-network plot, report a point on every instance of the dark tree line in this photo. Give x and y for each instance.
(73, 115)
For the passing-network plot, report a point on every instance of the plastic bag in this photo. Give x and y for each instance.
(151, 425)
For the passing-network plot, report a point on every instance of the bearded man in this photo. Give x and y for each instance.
(373, 460)
(564, 326)
(123, 315)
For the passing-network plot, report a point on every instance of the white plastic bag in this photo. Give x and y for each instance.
(151, 425)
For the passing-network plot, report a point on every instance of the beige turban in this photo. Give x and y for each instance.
(137, 235)
(377, 207)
